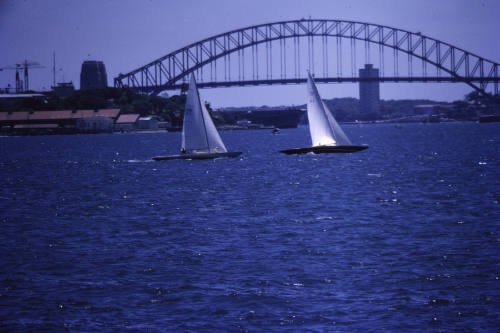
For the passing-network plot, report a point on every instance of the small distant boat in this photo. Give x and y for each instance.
(200, 139)
(326, 134)
(275, 130)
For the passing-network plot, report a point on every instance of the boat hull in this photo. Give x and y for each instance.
(199, 156)
(324, 150)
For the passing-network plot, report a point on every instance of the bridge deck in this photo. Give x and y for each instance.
(224, 84)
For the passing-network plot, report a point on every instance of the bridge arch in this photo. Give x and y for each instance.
(452, 64)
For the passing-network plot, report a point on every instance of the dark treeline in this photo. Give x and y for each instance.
(171, 108)
(348, 109)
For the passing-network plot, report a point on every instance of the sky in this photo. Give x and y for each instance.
(126, 34)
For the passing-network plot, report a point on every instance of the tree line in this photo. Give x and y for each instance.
(171, 108)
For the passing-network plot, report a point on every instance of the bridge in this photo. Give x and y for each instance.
(281, 52)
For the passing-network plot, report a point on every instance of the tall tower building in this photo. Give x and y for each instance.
(369, 91)
(93, 75)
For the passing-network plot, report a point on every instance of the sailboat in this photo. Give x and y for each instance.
(326, 134)
(200, 139)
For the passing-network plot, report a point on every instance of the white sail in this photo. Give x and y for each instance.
(198, 130)
(338, 134)
(319, 126)
(194, 136)
(215, 143)
(324, 129)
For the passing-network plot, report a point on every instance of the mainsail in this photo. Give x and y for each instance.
(324, 129)
(198, 130)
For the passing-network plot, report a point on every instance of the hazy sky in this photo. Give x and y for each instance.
(127, 34)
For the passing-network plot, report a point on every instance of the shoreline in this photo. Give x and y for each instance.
(231, 128)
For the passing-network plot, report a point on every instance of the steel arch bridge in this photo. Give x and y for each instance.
(280, 52)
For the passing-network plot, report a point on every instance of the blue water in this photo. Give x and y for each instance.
(402, 237)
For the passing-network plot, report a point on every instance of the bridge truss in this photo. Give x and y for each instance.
(281, 52)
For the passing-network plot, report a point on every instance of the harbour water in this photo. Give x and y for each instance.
(402, 237)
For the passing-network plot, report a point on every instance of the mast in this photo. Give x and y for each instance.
(54, 70)
(202, 118)
(26, 80)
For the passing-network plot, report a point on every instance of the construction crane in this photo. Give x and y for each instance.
(23, 66)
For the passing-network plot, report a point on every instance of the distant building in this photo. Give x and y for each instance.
(147, 123)
(243, 122)
(270, 117)
(432, 112)
(126, 122)
(369, 91)
(93, 75)
(425, 109)
(97, 124)
(63, 89)
(63, 121)
(164, 124)
(8, 100)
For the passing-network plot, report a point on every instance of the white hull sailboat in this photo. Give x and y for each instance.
(200, 139)
(326, 134)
